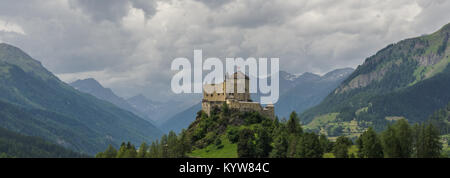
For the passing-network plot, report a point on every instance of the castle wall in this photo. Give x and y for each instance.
(269, 111)
(244, 106)
(238, 89)
(214, 96)
(207, 106)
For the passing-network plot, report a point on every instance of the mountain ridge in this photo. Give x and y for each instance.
(408, 79)
(93, 87)
(59, 112)
(309, 89)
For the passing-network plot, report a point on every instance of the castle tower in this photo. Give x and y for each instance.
(240, 89)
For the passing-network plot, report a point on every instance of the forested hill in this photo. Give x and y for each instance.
(228, 133)
(409, 79)
(14, 145)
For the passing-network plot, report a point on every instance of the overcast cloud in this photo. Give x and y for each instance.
(128, 45)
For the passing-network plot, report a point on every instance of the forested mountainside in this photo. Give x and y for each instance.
(409, 79)
(309, 90)
(14, 145)
(93, 87)
(37, 103)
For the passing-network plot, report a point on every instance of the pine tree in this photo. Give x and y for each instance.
(325, 144)
(369, 145)
(185, 143)
(309, 146)
(263, 143)
(143, 149)
(340, 149)
(280, 145)
(130, 151)
(416, 130)
(163, 148)
(154, 150)
(172, 145)
(429, 143)
(404, 136)
(389, 142)
(293, 124)
(397, 140)
(292, 145)
(246, 147)
(110, 152)
(122, 150)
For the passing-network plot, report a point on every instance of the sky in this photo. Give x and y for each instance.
(128, 45)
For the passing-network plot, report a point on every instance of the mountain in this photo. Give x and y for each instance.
(409, 79)
(306, 90)
(93, 87)
(160, 112)
(288, 81)
(153, 111)
(36, 103)
(20, 146)
(182, 119)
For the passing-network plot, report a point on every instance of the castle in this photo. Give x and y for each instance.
(235, 100)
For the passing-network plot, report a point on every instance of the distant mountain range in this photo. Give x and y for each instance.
(182, 119)
(34, 102)
(153, 111)
(301, 92)
(160, 112)
(409, 79)
(93, 87)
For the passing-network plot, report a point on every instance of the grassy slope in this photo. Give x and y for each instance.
(353, 150)
(225, 150)
(327, 123)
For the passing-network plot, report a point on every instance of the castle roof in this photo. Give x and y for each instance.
(239, 75)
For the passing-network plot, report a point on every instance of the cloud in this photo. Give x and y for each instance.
(102, 9)
(215, 3)
(112, 10)
(11, 27)
(128, 45)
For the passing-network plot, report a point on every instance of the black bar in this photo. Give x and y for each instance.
(275, 167)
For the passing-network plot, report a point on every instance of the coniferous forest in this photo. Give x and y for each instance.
(14, 145)
(258, 137)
